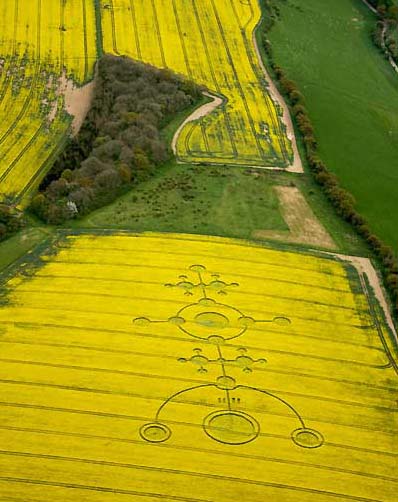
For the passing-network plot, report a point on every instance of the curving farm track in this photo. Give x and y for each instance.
(211, 43)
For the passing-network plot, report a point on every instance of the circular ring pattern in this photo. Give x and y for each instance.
(211, 321)
(155, 432)
(307, 438)
(231, 427)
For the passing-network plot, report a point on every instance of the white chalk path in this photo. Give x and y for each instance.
(197, 114)
(297, 166)
(206, 109)
(365, 268)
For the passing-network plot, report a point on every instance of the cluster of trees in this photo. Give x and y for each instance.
(385, 32)
(343, 201)
(120, 141)
(10, 221)
(386, 8)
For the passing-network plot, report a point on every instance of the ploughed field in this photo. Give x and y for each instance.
(40, 41)
(136, 367)
(212, 43)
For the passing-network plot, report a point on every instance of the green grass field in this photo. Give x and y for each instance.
(205, 200)
(16, 246)
(352, 97)
(233, 202)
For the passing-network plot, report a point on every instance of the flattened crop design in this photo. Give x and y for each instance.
(213, 324)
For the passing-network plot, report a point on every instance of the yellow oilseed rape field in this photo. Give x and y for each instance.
(211, 42)
(40, 41)
(198, 369)
(44, 43)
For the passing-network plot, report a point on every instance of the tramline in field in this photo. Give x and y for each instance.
(44, 43)
(212, 43)
(40, 41)
(139, 365)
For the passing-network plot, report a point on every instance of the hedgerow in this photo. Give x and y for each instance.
(343, 202)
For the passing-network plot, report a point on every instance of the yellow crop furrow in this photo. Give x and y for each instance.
(138, 364)
(211, 43)
(48, 42)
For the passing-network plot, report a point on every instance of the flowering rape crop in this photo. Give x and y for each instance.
(188, 368)
(42, 43)
(39, 42)
(211, 42)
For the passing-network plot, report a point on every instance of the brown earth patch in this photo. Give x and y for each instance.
(304, 227)
(77, 102)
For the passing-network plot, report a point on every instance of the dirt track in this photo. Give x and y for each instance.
(365, 267)
(275, 95)
(297, 166)
(200, 112)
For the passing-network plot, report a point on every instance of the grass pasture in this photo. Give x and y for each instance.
(194, 199)
(134, 367)
(213, 200)
(211, 43)
(39, 41)
(21, 243)
(351, 94)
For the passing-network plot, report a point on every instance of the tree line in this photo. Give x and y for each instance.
(11, 220)
(385, 7)
(341, 199)
(120, 142)
(385, 32)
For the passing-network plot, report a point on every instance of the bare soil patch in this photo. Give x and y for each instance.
(304, 227)
(77, 102)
